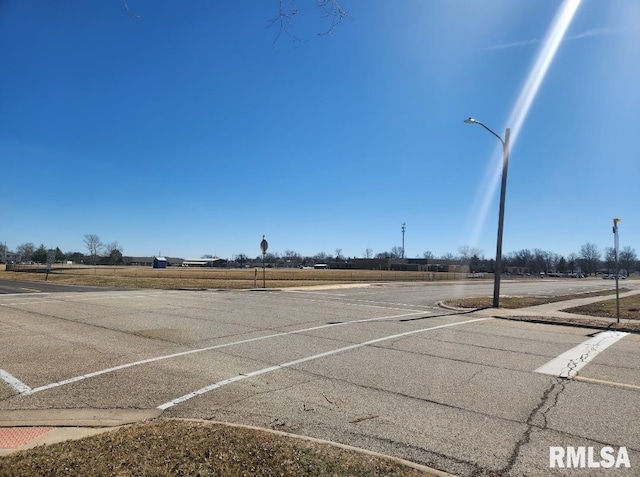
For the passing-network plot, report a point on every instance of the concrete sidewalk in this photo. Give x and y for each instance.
(25, 429)
(552, 313)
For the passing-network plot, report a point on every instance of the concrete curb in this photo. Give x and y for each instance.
(75, 417)
(602, 325)
(61, 434)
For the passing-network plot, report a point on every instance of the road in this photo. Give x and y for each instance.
(20, 286)
(380, 367)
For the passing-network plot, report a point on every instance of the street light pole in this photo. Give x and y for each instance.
(503, 190)
(615, 251)
(404, 227)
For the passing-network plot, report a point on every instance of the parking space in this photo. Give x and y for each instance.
(379, 367)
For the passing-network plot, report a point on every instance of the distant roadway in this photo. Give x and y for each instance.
(18, 286)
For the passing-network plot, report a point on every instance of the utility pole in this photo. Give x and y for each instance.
(404, 227)
(503, 189)
(615, 248)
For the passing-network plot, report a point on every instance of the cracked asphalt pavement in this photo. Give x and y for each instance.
(379, 367)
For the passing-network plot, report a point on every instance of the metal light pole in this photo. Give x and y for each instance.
(615, 248)
(503, 191)
(404, 227)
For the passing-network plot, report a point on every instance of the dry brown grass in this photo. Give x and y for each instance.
(629, 308)
(208, 278)
(169, 448)
(512, 302)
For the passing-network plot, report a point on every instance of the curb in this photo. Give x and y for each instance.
(62, 434)
(407, 463)
(575, 324)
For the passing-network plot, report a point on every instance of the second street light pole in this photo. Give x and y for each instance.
(615, 251)
(503, 191)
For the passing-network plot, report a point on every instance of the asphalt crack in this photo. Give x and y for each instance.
(574, 364)
(537, 419)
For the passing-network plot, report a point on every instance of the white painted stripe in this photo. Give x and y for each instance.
(345, 300)
(570, 362)
(368, 303)
(240, 377)
(208, 348)
(14, 382)
(57, 299)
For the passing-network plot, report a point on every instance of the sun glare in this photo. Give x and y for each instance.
(544, 58)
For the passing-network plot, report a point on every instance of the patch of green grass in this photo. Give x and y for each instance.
(170, 448)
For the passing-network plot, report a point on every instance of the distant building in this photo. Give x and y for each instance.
(149, 261)
(159, 262)
(9, 257)
(204, 262)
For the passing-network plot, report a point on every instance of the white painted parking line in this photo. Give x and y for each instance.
(208, 348)
(52, 298)
(360, 302)
(240, 377)
(14, 382)
(569, 363)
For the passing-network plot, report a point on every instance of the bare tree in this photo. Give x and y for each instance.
(428, 255)
(26, 251)
(339, 254)
(523, 258)
(572, 262)
(396, 252)
(292, 257)
(241, 259)
(590, 256)
(627, 258)
(610, 259)
(112, 246)
(538, 260)
(114, 252)
(94, 246)
(368, 253)
(321, 257)
(465, 252)
(449, 257)
(551, 261)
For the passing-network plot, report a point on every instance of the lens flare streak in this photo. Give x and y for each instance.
(546, 54)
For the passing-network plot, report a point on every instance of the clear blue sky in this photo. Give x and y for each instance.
(188, 131)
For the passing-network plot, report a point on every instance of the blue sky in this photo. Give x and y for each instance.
(191, 131)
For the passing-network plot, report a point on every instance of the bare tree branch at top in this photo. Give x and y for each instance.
(287, 10)
(332, 9)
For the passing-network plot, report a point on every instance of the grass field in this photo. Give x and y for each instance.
(211, 278)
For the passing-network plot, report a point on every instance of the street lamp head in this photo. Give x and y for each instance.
(470, 121)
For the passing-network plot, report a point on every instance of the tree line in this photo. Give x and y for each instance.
(590, 259)
(99, 253)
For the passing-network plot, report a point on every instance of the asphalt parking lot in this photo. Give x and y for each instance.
(379, 367)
